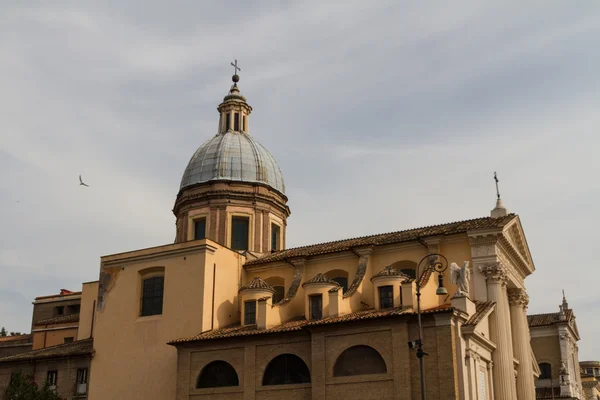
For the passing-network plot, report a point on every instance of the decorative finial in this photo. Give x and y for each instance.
(500, 210)
(565, 304)
(235, 78)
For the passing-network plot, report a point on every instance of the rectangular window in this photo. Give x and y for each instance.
(227, 121)
(68, 339)
(236, 122)
(52, 378)
(401, 303)
(250, 312)
(275, 237)
(59, 310)
(316, 306)
(243, 123)
(386, 297)
(239, 233)
(199, 228)
(82, 378)
(74, 309)
(152, 295)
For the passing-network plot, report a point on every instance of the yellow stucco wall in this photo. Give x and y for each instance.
(457, 249)
(89, 294)
(130, 348)
(53, 335)
(547, 350)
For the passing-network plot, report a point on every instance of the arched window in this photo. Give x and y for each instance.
(217, 374)
(286, 369)
(278, 284)
(359, 360)
(340, 276)
(407, 267)
(545, 371)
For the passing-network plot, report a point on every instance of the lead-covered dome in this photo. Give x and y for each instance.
(234, 156)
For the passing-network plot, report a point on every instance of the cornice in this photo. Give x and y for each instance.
(481, 239)
(516, 259)
(128, 258)
(184, 199)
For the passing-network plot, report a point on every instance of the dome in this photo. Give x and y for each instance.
(233, 156)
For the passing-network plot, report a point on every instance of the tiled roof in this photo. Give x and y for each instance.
(62, 294)
(385, 238)
(549, 393)
(548, 319)
(320, 278)
(389, 271)
(481, 309)
(258, 283)
(77, 348)
(299, 324)
(61, 319)
(243, 330)
(15, 338)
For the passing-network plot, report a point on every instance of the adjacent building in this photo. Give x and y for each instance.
(61, 343)
(554, 338)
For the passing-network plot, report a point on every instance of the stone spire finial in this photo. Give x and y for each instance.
(565, 305)
(499, 210)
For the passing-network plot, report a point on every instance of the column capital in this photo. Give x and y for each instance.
(518, 297)
(494, 272)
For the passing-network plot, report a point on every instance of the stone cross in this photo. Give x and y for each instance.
(495, 177)
(235, 67)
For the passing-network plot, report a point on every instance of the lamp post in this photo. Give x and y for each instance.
(434, 263)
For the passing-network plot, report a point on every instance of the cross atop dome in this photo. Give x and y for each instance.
(236, 77)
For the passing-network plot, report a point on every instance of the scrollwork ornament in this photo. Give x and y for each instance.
(518, 297)
(494, 272)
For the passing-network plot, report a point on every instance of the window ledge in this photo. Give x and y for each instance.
(339, 380)
(283, 387)
(147, 318)
(217, 390)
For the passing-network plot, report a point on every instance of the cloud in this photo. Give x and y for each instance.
(382, 116)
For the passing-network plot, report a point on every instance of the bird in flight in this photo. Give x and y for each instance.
(81, 182)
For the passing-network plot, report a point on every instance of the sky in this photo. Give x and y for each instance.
(383, 116)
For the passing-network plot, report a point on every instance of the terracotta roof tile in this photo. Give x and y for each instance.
(385, 238)
(300, 324)
(320, 278)
(548, 319)
(258, 283)
(15, 338)
(77, 348)
(481, 309)
(58, 295)
(389, 271)
(58, 320)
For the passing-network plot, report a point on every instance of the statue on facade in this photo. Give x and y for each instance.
(460, 277)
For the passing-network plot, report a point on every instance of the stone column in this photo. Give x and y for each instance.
(500, 332)
(521, 343)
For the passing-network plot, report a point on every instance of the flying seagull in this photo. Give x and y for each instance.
(81, 182)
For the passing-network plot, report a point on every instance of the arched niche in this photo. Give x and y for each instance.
(217, 374)
(286, 369)
(340, 276)
(359, 360)
(278, 283)
(407, 267)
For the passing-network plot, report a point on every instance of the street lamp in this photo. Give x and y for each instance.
(439, 263)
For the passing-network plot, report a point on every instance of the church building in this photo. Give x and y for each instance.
(227, 311)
